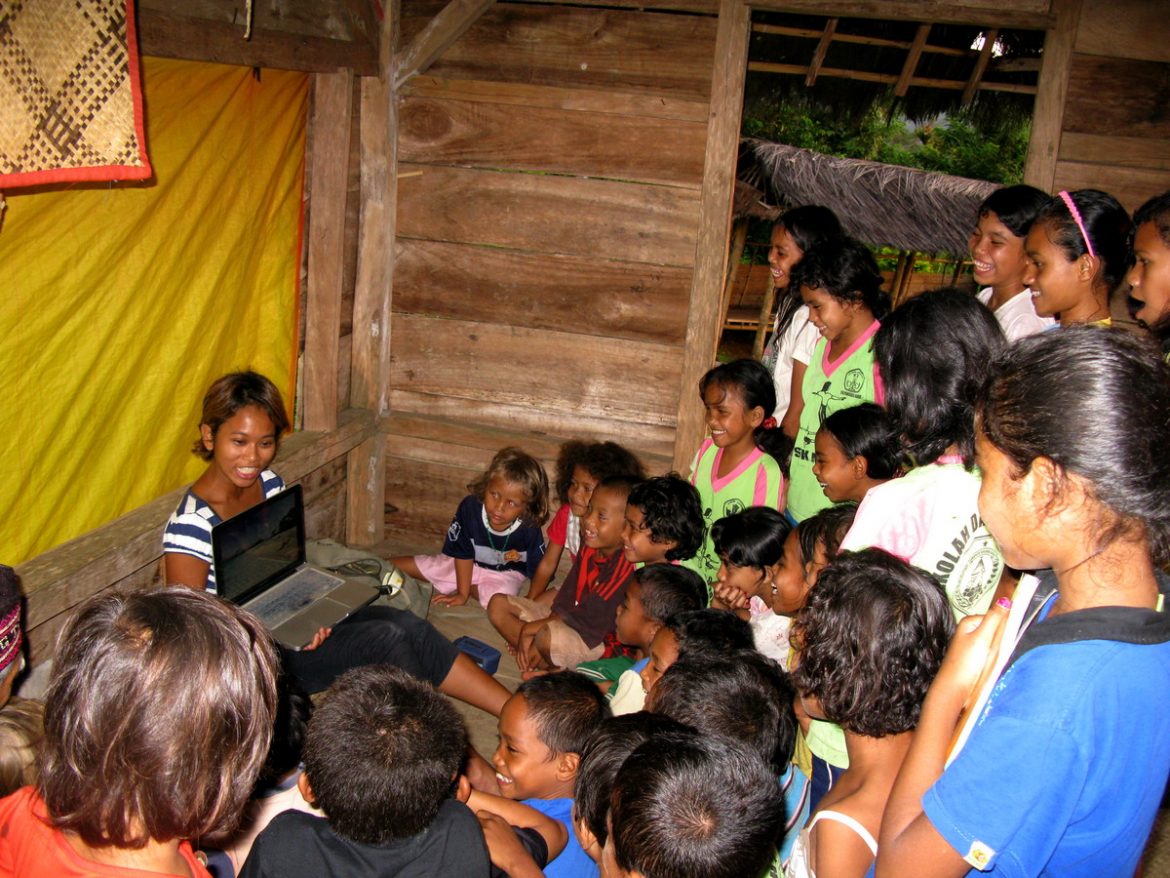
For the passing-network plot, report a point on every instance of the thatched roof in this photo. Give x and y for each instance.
(882, 205)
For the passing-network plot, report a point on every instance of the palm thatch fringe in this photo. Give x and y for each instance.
(882, 205)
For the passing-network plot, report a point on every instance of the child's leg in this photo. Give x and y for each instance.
(487, 583)
(438, 570)
(505, 616)
(564, 647)
(406, 564)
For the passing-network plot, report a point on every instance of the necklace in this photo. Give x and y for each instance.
(501, 549)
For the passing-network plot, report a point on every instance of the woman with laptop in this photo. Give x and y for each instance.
(239, 433)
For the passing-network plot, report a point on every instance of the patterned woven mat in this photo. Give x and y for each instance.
(70, 95)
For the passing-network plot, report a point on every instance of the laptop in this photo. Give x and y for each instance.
(260, 565)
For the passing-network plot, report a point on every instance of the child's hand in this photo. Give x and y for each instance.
(450, 600)
(732, 597)
(320, 637)
(504, 848)
(973, 648)
(463, 789)
(528, 657)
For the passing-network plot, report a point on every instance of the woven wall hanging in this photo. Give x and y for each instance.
(70, 93)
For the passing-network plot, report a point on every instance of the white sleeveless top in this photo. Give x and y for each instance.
(798, 864)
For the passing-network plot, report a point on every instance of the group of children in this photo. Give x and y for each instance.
(809, 657)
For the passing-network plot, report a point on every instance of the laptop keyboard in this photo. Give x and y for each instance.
(292, 596)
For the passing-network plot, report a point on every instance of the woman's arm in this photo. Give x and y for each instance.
(546, 570)
(180, 569)
(909, 843)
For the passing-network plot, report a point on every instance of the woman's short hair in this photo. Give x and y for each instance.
(933, 353)
(872, 637)
(520, 468)
(1096, 403)
(236, 391)
(157, 718)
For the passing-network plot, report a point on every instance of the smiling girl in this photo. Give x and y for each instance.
(1000, 261)
(1078, 251)
(741, 464)
(841, 285)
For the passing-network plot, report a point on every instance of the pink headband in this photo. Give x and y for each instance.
(1076, 215)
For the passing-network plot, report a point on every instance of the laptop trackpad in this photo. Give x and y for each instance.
(324, 613)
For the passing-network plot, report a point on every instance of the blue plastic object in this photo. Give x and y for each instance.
(487, 657)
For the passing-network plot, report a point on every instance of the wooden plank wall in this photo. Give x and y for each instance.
(550, 166)
(1116, 127)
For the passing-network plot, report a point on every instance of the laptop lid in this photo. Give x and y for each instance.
(260, 547)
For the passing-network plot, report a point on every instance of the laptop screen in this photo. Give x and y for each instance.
(259, 547)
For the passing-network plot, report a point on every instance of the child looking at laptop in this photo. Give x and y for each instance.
(381, 758)
(573, 627)
(543, 729)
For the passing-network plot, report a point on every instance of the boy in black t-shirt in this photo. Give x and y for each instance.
(381, 757)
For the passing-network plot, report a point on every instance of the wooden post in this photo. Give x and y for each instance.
(1051, 96)
(451, 22)
(370, 369)
(332, 93)
(738, 241)
(703, 324)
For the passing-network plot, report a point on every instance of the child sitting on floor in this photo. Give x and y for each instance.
(664, 521)
(157, 720)
(571, 629)
(686, 804)
(382, 755)
(543, 729)
(494, 542)
(655, 594)
(581, 466)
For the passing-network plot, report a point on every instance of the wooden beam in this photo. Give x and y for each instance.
(889, 78)
(855, 39)
(703, 324)
(989, 40)
(1032, 14)
(330, 126)
(199, 39)
(444, 29)
(822, 50)
(903, 84)
(373, 286)
(1051, 95)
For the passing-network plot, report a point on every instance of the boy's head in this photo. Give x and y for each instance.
(605, 521)
(157, 718)
(656, 593)
(604, 753)
(664, 520)
(382, 754)
(744, 696)
(703, 633)
(11, 631)
(543, 728)
(686, 805)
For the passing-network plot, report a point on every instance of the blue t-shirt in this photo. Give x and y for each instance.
(519, 548)
(573, 862)
(1065, 769)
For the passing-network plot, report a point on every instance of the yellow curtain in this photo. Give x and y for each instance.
(120, 304)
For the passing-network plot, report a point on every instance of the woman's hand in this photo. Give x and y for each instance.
(973, 649)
